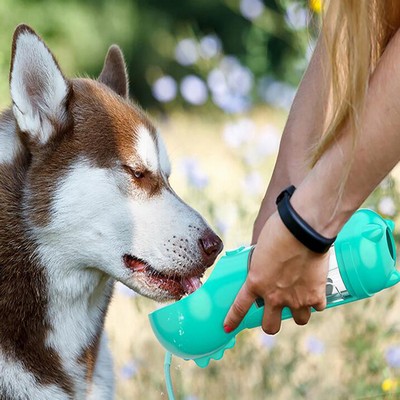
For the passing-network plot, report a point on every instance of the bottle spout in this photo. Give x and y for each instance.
(390, 224)
(393, 279)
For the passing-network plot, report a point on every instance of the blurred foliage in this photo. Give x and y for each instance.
(267, 40)
(78, 32)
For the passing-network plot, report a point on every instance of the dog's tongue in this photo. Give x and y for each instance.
(191, 284)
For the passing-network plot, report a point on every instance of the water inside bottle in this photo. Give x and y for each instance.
(335, 288)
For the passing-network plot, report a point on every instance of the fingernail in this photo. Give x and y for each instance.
(227, 329)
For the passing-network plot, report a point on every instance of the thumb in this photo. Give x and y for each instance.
(239, 308)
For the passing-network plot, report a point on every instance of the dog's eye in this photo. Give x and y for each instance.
(136, 173)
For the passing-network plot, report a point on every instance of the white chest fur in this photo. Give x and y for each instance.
(78, 301)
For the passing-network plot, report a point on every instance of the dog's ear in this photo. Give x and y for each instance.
(114, 73)
(38, 88)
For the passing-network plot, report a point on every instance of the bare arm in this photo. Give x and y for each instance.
(303, 127)
(376, 153)
(285, 273)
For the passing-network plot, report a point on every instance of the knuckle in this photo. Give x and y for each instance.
(320, 306)
(295, 304)
(253, 285)
(319, 300)
(273, 300)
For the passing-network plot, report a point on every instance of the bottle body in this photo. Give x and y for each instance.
(361, 263)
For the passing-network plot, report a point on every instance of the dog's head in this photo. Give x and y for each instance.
(97, 193)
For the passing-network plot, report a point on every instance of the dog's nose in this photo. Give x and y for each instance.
(211, 246)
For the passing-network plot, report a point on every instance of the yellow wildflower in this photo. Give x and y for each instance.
(388, 385)
(316, 6)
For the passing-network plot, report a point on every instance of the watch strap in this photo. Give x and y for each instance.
(299, 228)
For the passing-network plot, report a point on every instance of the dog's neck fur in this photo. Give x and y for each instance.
(52, 316)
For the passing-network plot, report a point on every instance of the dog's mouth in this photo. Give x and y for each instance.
(175, 285)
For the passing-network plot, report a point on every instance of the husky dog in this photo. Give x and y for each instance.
(85, 200)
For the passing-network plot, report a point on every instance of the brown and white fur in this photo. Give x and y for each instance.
(84, 200)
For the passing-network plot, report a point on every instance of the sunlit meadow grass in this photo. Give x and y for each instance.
(352, 352)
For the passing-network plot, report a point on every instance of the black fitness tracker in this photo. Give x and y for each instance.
(299, 228)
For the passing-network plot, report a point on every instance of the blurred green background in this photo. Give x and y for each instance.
(176, 52)
(218, 77)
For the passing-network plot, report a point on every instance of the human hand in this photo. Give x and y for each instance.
(284, 273)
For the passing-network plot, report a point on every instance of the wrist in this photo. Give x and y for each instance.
(300, 228)
(325, 211)
(283, 239)
(268, 206)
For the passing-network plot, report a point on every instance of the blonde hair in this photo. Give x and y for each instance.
(356, 32)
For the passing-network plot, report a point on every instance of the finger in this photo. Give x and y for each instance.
(239, 308)
(272, 319)
(321, 305)
(301, 315)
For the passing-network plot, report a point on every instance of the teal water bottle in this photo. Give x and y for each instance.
(362, 263)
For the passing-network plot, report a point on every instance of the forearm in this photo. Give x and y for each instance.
(304, 125)
(376, 152)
